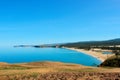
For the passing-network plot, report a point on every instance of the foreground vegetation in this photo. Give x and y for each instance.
(112, 62)
(55, 71)
(65, 76)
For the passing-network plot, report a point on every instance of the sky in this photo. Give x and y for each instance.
(58, 21)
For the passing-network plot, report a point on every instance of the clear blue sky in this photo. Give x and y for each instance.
(56, 21)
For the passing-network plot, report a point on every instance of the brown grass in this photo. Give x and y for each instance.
(36, 68)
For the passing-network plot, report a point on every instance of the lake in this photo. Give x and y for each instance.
(22, 55)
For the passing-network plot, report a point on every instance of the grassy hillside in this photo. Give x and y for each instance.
(53, 71)
(111, 62)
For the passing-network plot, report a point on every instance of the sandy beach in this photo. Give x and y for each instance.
(97, 55)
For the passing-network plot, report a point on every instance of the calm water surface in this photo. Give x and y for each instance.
(21, 55)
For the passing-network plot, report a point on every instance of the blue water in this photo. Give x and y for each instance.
(21, 55)
(105, 52)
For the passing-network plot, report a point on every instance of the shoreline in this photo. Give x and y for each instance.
(98, 55)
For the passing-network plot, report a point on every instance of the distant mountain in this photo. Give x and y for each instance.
(83, 44)
(115, 40)
(94, 43)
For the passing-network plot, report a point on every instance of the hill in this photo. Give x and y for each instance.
(111, 62)
(112, 42)
(84, 44)
(55, 71)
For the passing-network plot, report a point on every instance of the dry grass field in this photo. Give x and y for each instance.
(56, 71)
